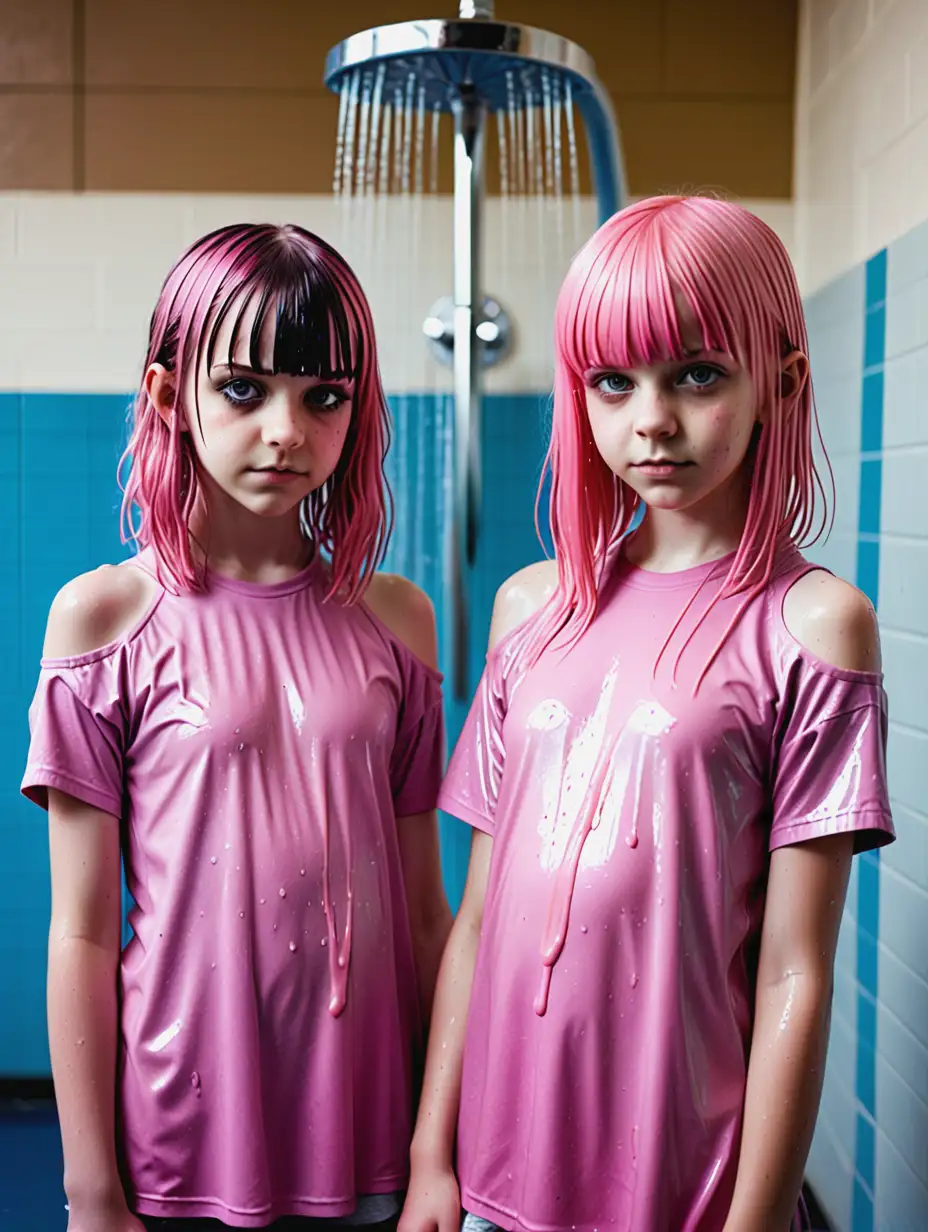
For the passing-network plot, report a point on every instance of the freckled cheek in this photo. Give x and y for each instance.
(328, 439)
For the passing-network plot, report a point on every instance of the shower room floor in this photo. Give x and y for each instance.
(31, 1197)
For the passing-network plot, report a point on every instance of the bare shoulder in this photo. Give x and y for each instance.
(94, 608)
(833, 620)
(407, 612)
(521, 596)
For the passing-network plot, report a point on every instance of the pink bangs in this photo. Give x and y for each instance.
(619, 308)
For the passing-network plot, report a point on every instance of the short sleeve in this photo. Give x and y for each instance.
(78, 736)
(419, 751)
(830, 763)
(471, 787)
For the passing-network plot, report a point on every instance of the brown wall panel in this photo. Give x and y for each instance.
(227, 95)
(730, 47)
(36, 141)
(222, 44)
(207, 142)
(36, 42)
(740, 146)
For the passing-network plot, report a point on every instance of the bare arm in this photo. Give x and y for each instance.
(83, 952)
(805, 899)
(407, 612)
(433, 1201)
(84, 936)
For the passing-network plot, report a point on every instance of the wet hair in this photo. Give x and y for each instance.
(322, 328)
(619, 308)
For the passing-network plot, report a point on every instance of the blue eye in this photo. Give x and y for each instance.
(613, 383)
(240, 392)
(701, 376)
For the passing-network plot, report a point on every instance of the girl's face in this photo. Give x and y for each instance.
(677, 433)
(265, 441)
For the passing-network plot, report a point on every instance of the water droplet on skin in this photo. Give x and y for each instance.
(584, 929)
(282, 892)
(324, 941)
(632, 840)
(240, 747)
(634, 981)
(195, 1082)
(292, 947)
(237, 730)
(302, 872)
(228, 846)
(213, 966)
(212, 860)
(241, 915)
(262, 901)
(80, 1043)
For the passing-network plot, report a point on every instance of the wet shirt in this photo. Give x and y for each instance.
(258, 745)
(610, 1019)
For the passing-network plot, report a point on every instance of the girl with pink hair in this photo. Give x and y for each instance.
(251, 718)
(676, 747)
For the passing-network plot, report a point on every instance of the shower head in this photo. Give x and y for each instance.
(499, 64)
(471, 66)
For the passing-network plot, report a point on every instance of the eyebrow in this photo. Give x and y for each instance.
(245, 370)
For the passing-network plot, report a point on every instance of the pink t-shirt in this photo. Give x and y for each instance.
(611, 1012)
(259, 745)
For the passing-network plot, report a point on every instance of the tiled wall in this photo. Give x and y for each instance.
(861, 168)
(861, 244)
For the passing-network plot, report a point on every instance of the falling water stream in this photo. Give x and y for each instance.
(388, 145)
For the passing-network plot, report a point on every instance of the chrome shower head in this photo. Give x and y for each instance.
(470, 66)
(498, 64)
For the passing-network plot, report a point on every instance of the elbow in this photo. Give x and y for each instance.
(801, 999)
(69, 934)
(431, 924)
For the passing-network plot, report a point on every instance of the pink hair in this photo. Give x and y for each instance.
(617, 310)
(323, 328)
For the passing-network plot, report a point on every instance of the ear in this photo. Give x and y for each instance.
(162, 391)
(794, 375)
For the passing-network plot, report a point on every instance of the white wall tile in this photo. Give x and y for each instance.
(904, 1053)
(904, 923)
(908, 259)
(905, 400)
(901, 991)
(833, 1171)
(902, 1117)
(901, 1198)
(905, 666)
(837, 553)
(904, 499)
(904, 585)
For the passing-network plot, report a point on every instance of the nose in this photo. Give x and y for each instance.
(283, 424)
(655, 416)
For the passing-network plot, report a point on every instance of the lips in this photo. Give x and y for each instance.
(660, 468)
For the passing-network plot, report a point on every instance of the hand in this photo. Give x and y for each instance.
(106, 1215)
(433, 1201)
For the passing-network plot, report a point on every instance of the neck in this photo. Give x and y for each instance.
(669, 540)
(240, 545)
